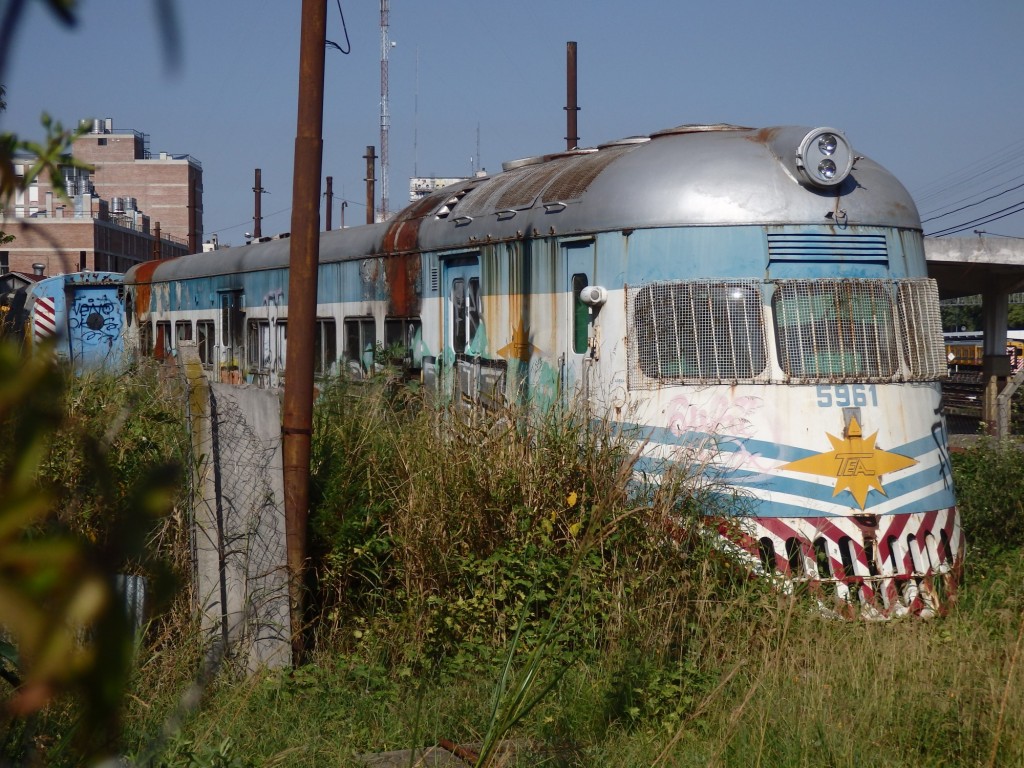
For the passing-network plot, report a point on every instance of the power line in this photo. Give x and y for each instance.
(987, 219)
(1003, 158)
(972, 205)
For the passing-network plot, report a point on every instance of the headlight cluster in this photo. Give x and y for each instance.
(824, 157)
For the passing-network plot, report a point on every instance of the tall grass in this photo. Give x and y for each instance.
(458, 559)
(433, 531)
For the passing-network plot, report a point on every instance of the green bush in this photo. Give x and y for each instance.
(989, 480)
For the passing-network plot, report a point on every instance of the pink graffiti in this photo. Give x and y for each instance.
(725, 429)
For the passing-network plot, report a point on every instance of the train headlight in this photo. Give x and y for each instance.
(824, 157)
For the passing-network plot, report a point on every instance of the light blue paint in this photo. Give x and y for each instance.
(89, 318)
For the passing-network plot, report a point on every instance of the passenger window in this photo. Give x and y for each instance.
(403, 341)
(206, 341)
(459, 315)
(325, 347)
(360, 344)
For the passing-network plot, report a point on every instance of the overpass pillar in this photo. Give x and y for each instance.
(995, 307)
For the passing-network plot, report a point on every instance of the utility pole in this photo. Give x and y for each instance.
(297, 414)
(257, 219)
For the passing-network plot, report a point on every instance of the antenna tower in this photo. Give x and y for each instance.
(416, 120)
(384, 119)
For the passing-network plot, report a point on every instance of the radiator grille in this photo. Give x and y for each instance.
(574, 180)
(823, 247)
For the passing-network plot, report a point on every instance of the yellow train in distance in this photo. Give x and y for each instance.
(965, 351)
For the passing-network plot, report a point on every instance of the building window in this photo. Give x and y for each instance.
(5, 264)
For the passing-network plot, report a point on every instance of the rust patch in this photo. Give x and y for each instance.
(402, 272)
(401, 255)
(143, 288)
(763, 135)
(403, 232)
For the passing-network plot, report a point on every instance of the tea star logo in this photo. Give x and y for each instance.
(854, 462)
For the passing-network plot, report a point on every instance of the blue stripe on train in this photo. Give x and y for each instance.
(752, 480)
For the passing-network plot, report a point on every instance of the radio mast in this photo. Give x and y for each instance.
(384, 119)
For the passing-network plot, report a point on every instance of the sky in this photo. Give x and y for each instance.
(928, 88)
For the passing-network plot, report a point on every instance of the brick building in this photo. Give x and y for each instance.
(131, 207)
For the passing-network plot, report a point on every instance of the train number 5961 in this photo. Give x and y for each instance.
(844, 395)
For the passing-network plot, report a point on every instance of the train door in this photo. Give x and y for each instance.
(577, 318)
(463, 325)
(232, 336)
(95, 326)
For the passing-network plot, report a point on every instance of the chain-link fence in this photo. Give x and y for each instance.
(237, 518)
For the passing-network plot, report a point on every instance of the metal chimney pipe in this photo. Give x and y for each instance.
(371, 193)
(572, 141)
(330, 201)
(257, 219)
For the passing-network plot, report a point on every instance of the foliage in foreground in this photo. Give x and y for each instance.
(80, 494)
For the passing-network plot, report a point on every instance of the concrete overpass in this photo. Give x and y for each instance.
(994, 268)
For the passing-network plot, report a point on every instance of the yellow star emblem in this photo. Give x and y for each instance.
(854, 462)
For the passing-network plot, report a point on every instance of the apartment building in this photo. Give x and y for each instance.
(132, 206)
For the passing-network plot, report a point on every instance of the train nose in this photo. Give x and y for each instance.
(875, 566)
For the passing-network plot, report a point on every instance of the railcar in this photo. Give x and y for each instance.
(755, 297)
(78, 315)
(965, 351)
